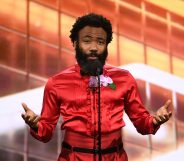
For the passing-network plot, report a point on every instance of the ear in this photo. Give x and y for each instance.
(75, 44)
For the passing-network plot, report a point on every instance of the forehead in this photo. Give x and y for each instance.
(96, 32)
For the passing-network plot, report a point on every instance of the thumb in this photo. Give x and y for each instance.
(167, 104)
(25, 107)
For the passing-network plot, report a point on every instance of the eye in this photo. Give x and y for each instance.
(101, 42)
(86, 39)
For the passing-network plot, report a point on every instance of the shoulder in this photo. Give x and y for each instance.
(67, 71)
(64, 73)
(62, 76)
(120, 75)
(116, 70)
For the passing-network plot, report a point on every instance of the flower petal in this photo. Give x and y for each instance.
(109, 80)
(105, 84)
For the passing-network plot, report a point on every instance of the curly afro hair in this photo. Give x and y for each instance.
(93, 20)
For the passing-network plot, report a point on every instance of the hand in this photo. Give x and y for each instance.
(30, 117)
(163, 114)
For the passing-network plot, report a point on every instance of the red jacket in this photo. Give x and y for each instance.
(68, 94)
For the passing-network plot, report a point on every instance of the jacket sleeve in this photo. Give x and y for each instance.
(49, 114)
(139, 116)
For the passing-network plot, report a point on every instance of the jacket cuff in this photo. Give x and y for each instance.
(153, 128)
(37, 134)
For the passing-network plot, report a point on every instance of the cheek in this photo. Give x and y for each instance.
(84, 48)
(102, 49)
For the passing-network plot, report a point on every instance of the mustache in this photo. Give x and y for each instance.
(82, 57)
(93, 54)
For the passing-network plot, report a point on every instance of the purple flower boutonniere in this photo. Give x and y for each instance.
(104, 81)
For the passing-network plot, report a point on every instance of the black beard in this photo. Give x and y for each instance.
(90, 67)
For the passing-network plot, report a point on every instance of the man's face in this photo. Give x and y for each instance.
(91, 47)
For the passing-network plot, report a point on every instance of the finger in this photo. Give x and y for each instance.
(26, 118)
(166, 116)
(33, 123)
(167, 104)
(25, 107)
(36, 119)
(158, 119)
(23, 116)
(170, 114)
(32, 118)
(163, 118)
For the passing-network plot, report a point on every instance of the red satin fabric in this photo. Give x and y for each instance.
(68, 94)
(78, 140)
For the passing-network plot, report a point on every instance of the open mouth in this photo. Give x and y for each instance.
(92, 58)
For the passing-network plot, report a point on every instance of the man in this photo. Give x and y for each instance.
(73, 94)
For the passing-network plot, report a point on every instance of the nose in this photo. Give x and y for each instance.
(93, 47)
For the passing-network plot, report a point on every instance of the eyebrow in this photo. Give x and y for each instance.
(88, 36)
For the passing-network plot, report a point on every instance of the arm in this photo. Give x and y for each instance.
(142, 120)
(139, 116)
(44, 126)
